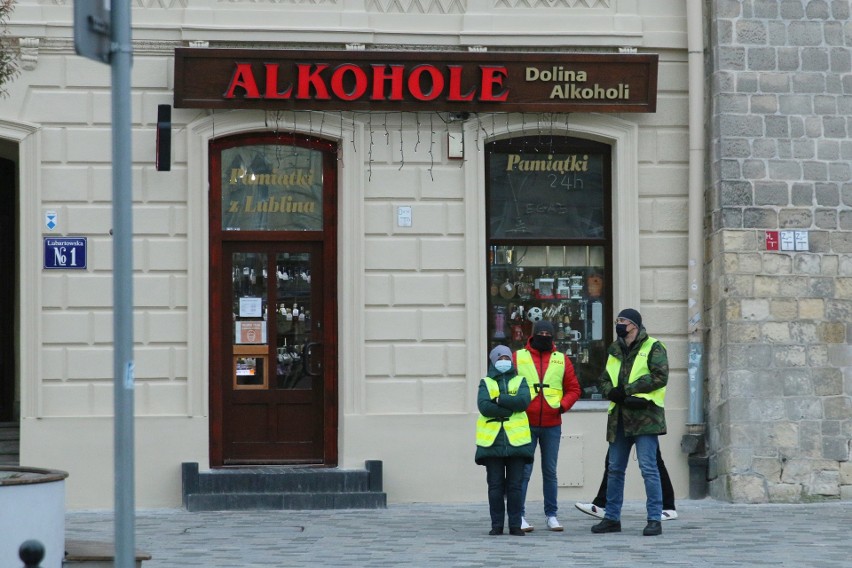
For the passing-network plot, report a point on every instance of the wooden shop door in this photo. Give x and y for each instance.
(273, 302)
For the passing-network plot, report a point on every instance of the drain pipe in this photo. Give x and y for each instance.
(693, 441)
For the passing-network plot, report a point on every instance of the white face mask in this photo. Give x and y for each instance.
(503, 365)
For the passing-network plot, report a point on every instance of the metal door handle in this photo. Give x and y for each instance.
(307, 355)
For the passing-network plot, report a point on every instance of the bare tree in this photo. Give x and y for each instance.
(8, 56)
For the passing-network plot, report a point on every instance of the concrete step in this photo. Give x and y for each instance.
(279, 488)
(10, 443)
(284, 501)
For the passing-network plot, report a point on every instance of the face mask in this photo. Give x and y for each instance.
(542, 342)
(621, 329)
(503, 365)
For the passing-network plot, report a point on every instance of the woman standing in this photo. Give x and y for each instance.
(503, 441)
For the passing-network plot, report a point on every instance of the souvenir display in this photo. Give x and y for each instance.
(525, 287)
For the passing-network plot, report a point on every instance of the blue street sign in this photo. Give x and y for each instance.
(65, 252)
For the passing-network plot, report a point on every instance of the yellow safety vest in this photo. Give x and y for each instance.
(551, 383)
(517, 426)
(639, 369)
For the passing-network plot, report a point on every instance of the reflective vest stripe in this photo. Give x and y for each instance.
(551, 383)
(517, 426)
(639, 369)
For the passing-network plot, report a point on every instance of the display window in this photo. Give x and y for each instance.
(549, 247)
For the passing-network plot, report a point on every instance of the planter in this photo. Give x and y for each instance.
(32, 502)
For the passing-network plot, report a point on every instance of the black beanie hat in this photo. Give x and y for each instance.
(542, 325)
(632, 315)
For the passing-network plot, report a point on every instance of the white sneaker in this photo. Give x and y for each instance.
(592, 509)
(669, 515)
(525, 526)
(553, 524)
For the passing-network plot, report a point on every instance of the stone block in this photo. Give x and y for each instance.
(749, 356)
(825, 483)
(815, 171)
(839, 171)
(785, 492)
(837, 407)
(748, 489)
(803, 33)
(821, 288)
(846, 473)
(769, 468)
(840, 241)
(775, 332)
(795, 286)
(811, 308)
(770, 82)
(777, 263)
(840, 355)
(386, 254)
(743, 332)
(418, 359)
(846, 492)
(830, 428)
(391, 325)
(781, 434)
(735, 241)
(814, 59)
(785, 170)
(835, 448)
(817, 355)
(803, 408)
(760, 218)
(442, 254)
(820, 241)
(790, 356)
(766, 286)
(831, 332)
(798, 218)
(797, 471)
(771, 193)
(826, 219)
(827, 194)
(804, 263)
(783, 309)
(827, 381)
(755, 309)
(803, 193)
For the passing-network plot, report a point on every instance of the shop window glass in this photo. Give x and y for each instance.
(549, 247)
(271, 188)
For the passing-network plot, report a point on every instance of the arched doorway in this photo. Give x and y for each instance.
(273, 312)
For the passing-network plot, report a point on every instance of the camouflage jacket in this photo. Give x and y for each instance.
(650, 420)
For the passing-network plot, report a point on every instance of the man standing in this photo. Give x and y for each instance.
(634, 381)
(554, 389)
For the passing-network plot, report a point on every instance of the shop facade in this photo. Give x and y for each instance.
(356, 210)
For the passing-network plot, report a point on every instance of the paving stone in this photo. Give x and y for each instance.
(708, 533)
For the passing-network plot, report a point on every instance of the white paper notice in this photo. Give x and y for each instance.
(250, 308)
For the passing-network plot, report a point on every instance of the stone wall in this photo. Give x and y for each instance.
(780, 363)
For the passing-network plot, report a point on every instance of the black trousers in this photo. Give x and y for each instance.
(504, 476)
(665, 482)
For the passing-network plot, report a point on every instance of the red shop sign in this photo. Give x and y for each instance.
(415, 81)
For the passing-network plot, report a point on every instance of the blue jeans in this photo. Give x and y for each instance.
(548, 442)
(646, 453)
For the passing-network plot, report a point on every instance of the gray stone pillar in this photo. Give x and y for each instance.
(779, 360)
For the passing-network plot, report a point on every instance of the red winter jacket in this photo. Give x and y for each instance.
(539, 412)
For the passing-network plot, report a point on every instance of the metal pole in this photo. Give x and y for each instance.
(122, 200)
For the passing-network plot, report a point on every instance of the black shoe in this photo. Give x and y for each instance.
(516, 531)
(495, 531)
(653, 528)
(607, 526)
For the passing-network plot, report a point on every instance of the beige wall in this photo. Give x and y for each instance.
(411, 300)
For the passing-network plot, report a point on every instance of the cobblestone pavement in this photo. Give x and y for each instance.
(708, 534)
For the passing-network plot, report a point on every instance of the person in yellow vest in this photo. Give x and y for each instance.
(503, 441)
(554, 389)
(634, 381)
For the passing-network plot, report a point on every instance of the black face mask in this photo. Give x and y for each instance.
(542, 342)
(621, 329)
